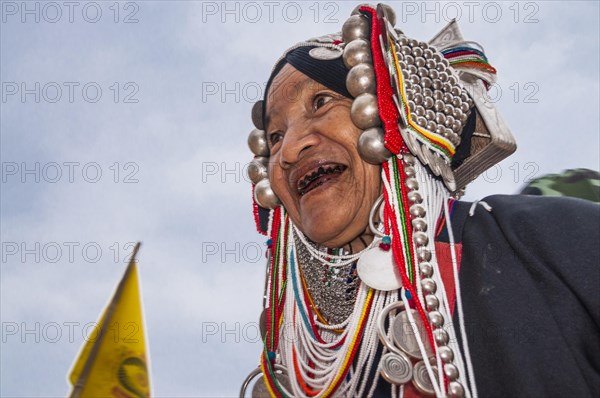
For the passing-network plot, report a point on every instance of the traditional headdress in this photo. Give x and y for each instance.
(423, 110)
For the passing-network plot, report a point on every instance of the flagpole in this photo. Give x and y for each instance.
(102, 328)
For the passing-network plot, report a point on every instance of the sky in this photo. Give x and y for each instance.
(128, 121)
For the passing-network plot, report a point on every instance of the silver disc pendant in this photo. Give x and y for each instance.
(404, 337)
(260, 389)
(325, 54)
(421, 378)
(376, 268)
(396, 368)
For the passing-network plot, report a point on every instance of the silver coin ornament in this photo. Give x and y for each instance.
(260, 389)
(325, 53)
(371, 146)
(357, 52)
(376, 268)
(396, 368)
(361, 79)
(265, 196)
(355, 27)
(257, 142)
(257, 170)
(365, 111)
(404, 336)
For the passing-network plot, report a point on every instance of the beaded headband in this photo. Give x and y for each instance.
(426, 99)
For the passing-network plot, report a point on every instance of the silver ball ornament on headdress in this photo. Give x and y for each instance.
(365, 111)
(257, 169)
(361, 79)
(265, 196)
(257, 141)
(355, 27)
(357, 52)
(371, 146)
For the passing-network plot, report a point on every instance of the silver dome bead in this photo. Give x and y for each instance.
(355, 27)
(437, 85)
(457, 113)
(417, 89)
(431, 64)
(455, 90)
(406, 50)
(431, 125)
(357, 52)
(410, 171)
(420, 62)
(443, 76)
(452, 80)
(371, 146)
(428, 54)
(421, 121)
(428, 285)
(449, 121)
(436, 318)
(408, 159)
(415, 196)
(424, 254)
(410, 60)
(434, 74)
(429, 114)
(446, 353)
(361, 79)
(438, 95)
(417, 51)
(432, 302)
(422, 72)
(438, 105)
(365, 112)
(257, 169)
(440, 129)
(441, 336)
(440, 118)
(456, 390)
(427, 92)
(420, 111)
(464, 107)
(456, 101)
(419, 224)
(412, 183)
(418, 99)
(420, 238)
(264, 195)
(414, 79)
(426, 270)
(447, 98)
(426, 82)
(257, 141)
(457, 125)
(413, 43)
(451, 371)
(447, 87)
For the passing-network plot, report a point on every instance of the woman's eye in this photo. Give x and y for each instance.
(320, 100)
(275, 137)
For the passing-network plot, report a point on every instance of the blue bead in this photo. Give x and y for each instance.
(271, 355)
(386, 239)
(269, 242)
(408, 295)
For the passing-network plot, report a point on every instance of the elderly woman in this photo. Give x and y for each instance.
(379, 282)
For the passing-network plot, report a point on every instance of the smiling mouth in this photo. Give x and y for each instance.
(318, 177)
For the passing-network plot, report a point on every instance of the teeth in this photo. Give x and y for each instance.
(322, 170)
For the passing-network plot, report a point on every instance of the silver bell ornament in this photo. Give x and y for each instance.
(264, 195)
(257, 169)
(257, 114)
(365, 112)
(257, 141)
(360, 80)
(357, 52)
(371, 146)
(355, 27)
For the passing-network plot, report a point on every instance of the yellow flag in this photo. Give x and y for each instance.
(113, 362)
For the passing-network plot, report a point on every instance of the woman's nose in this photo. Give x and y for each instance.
(297, 142)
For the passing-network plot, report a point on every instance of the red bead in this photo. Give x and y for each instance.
(384, 246)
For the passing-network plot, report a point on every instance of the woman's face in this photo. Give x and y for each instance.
(315, 168)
